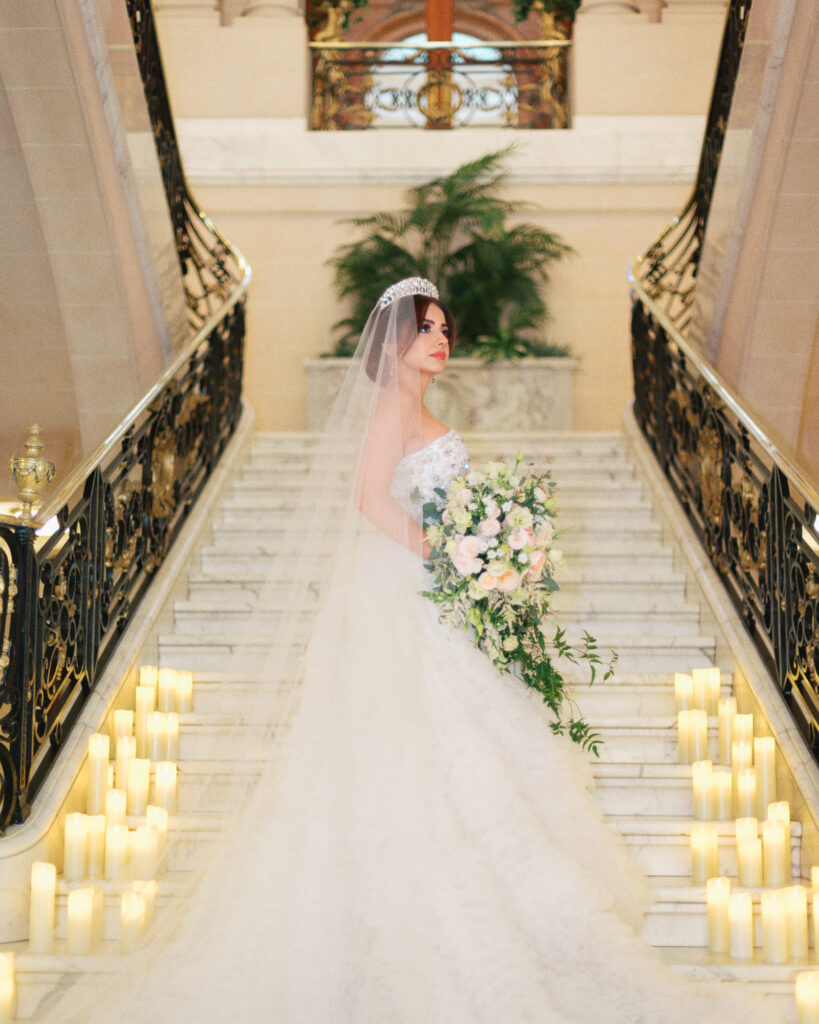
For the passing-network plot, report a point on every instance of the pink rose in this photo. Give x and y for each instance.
(466, 559)
(545, 535)
(489, 528)
(535, 570)
(463, 497)
(487, 581)
(471, 546)
(519, 539)
(509, 581)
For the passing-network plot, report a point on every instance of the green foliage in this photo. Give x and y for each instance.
(560, 8)
(454, 232)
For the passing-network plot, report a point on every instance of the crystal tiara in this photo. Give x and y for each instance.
(409, 286)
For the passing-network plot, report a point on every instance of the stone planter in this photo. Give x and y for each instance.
(502, 397)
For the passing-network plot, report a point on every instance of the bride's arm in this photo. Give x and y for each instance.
(380, 458)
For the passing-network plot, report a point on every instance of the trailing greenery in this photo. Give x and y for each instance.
(454, 232)
(560, 8)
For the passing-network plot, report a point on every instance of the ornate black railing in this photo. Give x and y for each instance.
(440, 85)
(753, 510)
(66, 598)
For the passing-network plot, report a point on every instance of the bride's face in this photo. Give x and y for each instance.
(428, 354)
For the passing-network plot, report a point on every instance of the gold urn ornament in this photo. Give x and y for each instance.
(31, 472)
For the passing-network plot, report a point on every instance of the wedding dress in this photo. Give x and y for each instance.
(421, 848)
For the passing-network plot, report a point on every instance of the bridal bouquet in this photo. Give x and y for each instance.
(493, 560)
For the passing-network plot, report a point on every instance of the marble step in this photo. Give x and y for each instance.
(576, 443)
(663, 845)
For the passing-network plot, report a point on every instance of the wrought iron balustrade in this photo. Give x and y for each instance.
(753, 510)
(69, 591)
(440, 85)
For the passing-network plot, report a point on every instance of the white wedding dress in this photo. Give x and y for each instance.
(425, 851)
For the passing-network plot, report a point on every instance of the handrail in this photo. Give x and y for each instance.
(488, 44)
(762, 437)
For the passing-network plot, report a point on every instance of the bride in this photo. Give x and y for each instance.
(421, 848)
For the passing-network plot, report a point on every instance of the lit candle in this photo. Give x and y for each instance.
(814, 879)
(722, 786)
(683, 691)
(718, 893)
(166, 690)
(144, 852)
(8, 988)
(704, 853)
(96, 842)
(148, 675)
(727, 710)
(97, 916)
(115, 805)
(116, 852)
(74, 850)
(165, 786)
(132, 919)
(698, 735)
(740, 914)
(749, 863)
(41, 907)
(816, 925)
(774, 927)
(780, 811)
(184, 692)
(746, 792)
(157, 736)
(172, 748)
(796, 908)
(742, 756)
(776, 854)
(684, 736)
(807, 997)
(123, 723)
(126, 752)
(157, 818)
(765, 766)
(145, 701)
(148, 892)
(98, 752)
(80, 920)
(706, 688)
(701, 772)
(139, 776)
(744, 728)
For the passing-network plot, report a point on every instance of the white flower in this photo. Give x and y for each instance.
(510, 643)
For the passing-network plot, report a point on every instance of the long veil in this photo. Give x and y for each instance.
(409, 843)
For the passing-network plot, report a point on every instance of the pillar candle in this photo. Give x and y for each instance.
(704, 853)
(8, 988)
(132, 927)
(776, 854)
(807, 997)
(741, 757)
(683, 691)
(722, 784)
(765, 767)
(744, 728)
(144, 852)
(727, 710)
(814, 879)
(684, 736)
(116, 852)
(172, 747)
(80, 920)
(165, 786)
(95, 845)
(148, 675)
(123, 723)
(706, 688)
(184, 692)
(779, 811)
(75, 847)
(41, 907)
(126, 752)
(148, 892)
(816, 925)
(740, 913)
(97, 768)
(145, 701)
(115, 806)
(166, 690)
(97, 916)
(157, 736)
(157, 818)
(718, 893)
(796, 909)
(746, 792)
(698, 735)
(701, 772)
(749, 863)
(139, 777)
(774, 927)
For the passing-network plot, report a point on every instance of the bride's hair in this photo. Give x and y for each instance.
(405, 334)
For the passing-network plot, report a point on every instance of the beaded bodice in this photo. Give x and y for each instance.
(419, 473)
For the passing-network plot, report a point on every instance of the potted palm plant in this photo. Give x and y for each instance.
(455, 231)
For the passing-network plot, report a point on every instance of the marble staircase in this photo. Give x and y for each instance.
(622, 580)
